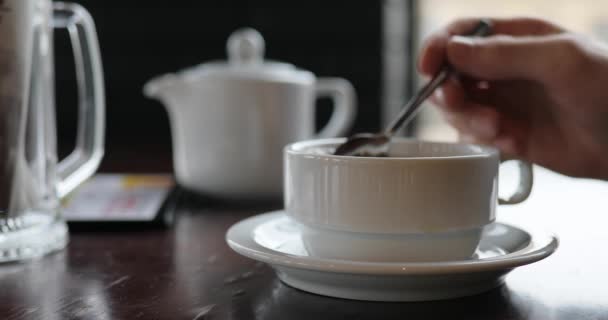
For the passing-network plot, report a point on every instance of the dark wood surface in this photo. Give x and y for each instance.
(188, 272)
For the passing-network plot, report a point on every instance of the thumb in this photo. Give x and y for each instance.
(505, 57)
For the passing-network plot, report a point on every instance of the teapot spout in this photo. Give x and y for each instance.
(160, 87)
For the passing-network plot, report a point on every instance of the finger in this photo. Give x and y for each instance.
(464, 116)
(470, 138)
(432, 54)
(479, 91)
(467, 138)
(516, 26)
(476, 120)
(507, 146)
(505, 57)
(458, 122)
(437, 99)
(513, 137)
(452, 95)
(484, 122)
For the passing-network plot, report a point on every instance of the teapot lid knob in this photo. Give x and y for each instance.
(246, 46)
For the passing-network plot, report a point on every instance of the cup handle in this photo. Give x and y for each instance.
(86, 157)
(526, 179)
(344, 98)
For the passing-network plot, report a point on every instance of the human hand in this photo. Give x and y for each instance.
(532, 89)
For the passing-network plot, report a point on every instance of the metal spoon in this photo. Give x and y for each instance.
(376, 144)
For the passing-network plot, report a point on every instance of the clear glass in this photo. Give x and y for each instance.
(32, 181)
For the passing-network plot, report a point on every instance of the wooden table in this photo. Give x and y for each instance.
(189, 272)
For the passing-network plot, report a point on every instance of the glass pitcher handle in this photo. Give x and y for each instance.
(86, 157)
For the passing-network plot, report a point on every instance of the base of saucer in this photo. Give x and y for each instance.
(390, 288)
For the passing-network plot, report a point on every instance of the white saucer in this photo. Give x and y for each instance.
(273, 238)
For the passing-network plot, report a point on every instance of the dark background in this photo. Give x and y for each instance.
(140, 40)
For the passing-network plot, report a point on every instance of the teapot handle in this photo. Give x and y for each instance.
(86, 157)
(344, 98)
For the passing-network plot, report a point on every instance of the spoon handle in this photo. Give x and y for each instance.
(483, 28)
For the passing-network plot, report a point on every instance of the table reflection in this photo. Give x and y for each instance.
(280, 301)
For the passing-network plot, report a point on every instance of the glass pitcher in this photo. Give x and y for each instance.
(32, 181)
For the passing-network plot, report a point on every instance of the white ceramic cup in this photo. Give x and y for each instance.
(427, 201)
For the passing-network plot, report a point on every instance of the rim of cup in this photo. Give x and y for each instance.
(304, 148)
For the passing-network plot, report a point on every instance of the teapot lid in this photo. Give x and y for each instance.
(246, 60)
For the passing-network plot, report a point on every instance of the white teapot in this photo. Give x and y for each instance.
(231, 120)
